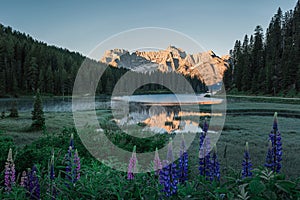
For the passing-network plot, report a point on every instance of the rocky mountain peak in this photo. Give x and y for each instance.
(206, 66)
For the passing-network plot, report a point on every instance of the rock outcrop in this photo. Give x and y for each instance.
(206, 66)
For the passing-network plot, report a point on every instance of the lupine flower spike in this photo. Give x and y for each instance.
(215, 165)
(168, 175)
(33, 185)
(73, 164)
(247, 165)
(77, 165)
(157, 163)
(276, 151)
(132, 165)
(183, 163)
(269, 158)
(24, 179)
(10, 173)
(204, 153)
(203, 133)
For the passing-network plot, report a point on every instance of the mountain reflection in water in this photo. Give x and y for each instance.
(164, 118)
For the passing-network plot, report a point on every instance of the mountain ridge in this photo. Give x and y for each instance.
(205, 66)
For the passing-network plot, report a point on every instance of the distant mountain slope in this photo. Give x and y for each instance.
(27, 65)
(206, 66)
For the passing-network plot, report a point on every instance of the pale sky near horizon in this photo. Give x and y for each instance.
(80, 26)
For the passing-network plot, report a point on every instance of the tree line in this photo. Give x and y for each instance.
(27, 65)
(268, 63)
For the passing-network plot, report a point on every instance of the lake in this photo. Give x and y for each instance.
(159, 113)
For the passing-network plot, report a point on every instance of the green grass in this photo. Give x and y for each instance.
(245, 121)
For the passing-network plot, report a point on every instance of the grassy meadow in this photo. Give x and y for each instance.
(246, 121)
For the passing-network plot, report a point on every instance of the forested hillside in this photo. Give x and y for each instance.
(268, 63)
(27, 64)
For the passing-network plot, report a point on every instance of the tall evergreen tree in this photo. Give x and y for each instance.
(272, 65)
(257, 59)
(245, 61)
(38, 119)
(2, 71)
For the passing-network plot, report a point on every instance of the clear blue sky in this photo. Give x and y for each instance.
(81, 25)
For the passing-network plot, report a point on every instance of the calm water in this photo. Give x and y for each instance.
(157, 113)
(56, 104)
(165, 113)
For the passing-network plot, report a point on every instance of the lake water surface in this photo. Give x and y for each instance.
(156, 113)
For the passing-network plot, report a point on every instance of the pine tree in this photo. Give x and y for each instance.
(2, 70)
(245, 62)
(257, 59)
(237, 65)
(38, 119)
(228, 74)
(32, 74)
(14, 110)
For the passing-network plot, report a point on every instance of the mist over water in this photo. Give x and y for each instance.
(56, 104)
(155, 113)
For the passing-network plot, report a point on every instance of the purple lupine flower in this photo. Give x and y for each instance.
(52, 173)
(33, 186)
(275, 138)
(157, 163)
(183, 163)
(24, 179)
(204, 153)
(168, 175)
(132, 165)
(269, 158)
(72, 164)
(203, 133)
(10, 173)
(215, 166)
(77, 165)
(247, 164)
(69, 165)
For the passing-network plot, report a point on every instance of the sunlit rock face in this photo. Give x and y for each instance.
(206, 66)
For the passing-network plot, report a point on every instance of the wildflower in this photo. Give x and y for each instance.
(168, 175)
(77, 165)
(204, 153)
(72, 163)
(203, 133)
(214, 166)
(33, 185)
(183, 163)
(247, 165)
(24, 179)
(157, 163)
(276, 149)
(269, 158)
(132, 165)
(69, 165)
(10, 173)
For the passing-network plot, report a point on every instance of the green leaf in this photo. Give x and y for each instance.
(256, 187)
(270, 195)
(285, 186)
